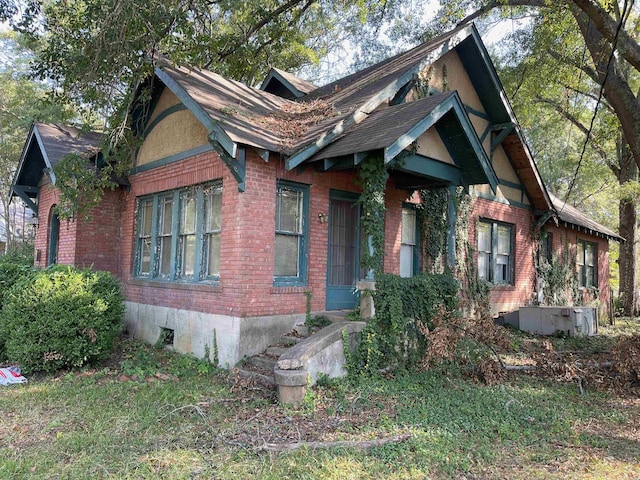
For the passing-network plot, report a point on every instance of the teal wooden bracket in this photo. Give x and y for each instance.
(510, 184)
(328, 163)
(262, 153)
(506, 129)
(22, 191)
(486, 132)
(477, 113)
(428, 167)
(359, 157)
(237, 166)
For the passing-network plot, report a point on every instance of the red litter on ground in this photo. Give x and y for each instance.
(11, 375)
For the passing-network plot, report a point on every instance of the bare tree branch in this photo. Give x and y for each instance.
(627, 46)
(585, 131)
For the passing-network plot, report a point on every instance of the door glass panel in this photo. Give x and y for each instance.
(343, 243)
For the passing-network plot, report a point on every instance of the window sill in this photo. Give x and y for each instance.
(289, 289)
(502, 286)
(194, 287)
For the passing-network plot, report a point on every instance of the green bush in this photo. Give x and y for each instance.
(21, 253)
(61, 317)
(10, 274)
(393, 338)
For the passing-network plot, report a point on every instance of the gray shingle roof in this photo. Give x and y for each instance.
(237, 108)
(571, 215)
(60, 140)
(300, 84)
(241, 110)
(382, 127)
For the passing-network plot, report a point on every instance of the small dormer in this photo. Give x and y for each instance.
(285, 85)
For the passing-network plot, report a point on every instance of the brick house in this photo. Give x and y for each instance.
(241, 202)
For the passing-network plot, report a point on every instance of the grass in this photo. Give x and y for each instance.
(151, 413)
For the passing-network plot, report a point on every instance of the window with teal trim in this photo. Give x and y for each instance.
(178, 234)
(495, 252)
(409, 251)
(587, 263)
(291, 234)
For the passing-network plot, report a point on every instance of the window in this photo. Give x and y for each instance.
(408, 246)
(495, 252)
(291, 232)
(587, 264)
(178, 234)
(54, 234)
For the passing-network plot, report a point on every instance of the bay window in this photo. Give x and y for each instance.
(178, 234)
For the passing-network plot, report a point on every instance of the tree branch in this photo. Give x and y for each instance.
(627, 46)
(585, 131)
(264, 21)
(364, 444)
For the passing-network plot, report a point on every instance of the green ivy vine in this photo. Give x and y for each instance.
(372, 177)
(473, 290)
(559, 275)
(433, 226)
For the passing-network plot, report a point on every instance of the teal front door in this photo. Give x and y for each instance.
(343, 261)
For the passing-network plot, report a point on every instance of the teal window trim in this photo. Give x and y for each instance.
(54, 239)
(161, 241)
(587, 262)
(497, 269)
(300, 279)
(415, 267)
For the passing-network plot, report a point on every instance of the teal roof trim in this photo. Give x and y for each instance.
(455, 105)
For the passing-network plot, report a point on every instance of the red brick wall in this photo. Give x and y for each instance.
(98, 235)
(563, 238)
(47, 198)
(247, 238)
(509, 297)
(84, 242)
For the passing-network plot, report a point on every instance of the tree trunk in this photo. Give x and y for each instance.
(628, 215)
(616, 88)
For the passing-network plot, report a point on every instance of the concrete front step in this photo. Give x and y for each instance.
(264, 378)
(263, 362)
(275, 351)
(333, 315)
(290, 340)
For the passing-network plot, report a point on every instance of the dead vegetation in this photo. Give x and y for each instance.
(293, 120)
(482, 346)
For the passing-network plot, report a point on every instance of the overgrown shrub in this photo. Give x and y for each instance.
(61, 317)
(20, 253)
(13, 269)
(10, 274)
(394, 338)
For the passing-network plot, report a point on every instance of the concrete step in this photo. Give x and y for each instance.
(263, 378)
(263, 362)
(290, 340)
(274, 351)
(333, 315)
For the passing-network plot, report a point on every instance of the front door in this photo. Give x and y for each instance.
(343, 261)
